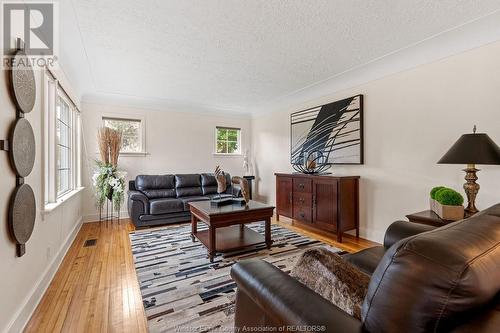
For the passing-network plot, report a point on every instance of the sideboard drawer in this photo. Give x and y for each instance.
(302, 213)
(302, 200)
(302, 185)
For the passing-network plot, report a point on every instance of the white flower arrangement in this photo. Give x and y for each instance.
(109, 183)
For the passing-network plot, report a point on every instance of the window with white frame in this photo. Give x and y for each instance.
(227, 140)
(62, 142)
(132, 132)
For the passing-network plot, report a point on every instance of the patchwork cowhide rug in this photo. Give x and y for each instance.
(183, 292)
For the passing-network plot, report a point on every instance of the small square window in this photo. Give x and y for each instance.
(228, 140)
(131, 133)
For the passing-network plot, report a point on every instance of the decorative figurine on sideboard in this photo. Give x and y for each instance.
(313, 162)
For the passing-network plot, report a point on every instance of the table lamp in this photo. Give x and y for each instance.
(472, 149)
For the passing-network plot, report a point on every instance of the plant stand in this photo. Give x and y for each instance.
(108, 213)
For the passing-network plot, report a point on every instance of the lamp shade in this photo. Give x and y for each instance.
(472, 149)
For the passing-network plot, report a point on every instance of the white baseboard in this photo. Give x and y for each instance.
(95, 217)
(22, 317)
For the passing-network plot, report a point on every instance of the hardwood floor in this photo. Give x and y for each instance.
(349, 243)
(96, 289)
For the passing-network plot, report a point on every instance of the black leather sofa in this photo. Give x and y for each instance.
(163, 199)
(423, 279)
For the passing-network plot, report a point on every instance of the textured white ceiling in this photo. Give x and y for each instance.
(240, 55)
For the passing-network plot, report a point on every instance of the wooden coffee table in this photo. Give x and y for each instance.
(226, 225)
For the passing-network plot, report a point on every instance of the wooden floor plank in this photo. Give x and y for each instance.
(96, 288)
(92, 289)
(349, 243)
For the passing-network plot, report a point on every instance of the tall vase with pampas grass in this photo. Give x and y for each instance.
(109, 182)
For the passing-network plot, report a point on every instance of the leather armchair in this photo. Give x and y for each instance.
(443, 279)
(403, 229)
(368, 259)
(287, 302)
(268, 298)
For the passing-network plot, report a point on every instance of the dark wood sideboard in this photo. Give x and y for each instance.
(328, 203)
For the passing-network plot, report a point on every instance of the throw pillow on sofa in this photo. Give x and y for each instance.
(335, 279)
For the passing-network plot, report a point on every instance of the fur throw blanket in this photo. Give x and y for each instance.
(336, 280)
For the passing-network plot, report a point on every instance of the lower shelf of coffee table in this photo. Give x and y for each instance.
(231, 238)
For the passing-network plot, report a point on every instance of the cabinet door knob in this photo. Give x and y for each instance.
(301, 185)
(302, 214)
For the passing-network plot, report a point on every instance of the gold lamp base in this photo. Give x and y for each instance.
(471, 188)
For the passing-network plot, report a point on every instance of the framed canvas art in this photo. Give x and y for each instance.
(334, 131)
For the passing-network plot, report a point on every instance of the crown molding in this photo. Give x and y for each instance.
(159, 104)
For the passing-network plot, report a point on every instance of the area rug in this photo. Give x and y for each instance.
(183, 292)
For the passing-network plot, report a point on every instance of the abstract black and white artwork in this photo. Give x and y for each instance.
(335, 130)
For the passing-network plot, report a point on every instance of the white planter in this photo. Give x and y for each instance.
(432, 204)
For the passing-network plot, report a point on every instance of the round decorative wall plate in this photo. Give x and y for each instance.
(23, 82)
(22, 147)
(22, 214)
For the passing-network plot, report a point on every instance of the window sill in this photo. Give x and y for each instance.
(227, 155)
(134, 154)
(124, 154)
(53, 205)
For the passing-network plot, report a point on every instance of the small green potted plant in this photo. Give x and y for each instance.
(432, 200)
(447, 203)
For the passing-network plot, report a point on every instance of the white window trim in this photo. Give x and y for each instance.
(51, 91)
(239, 153)
(140, 118)
(49, 139)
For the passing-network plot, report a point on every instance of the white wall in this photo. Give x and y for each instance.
(23, 280)
(410, 120)
(175, 142)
